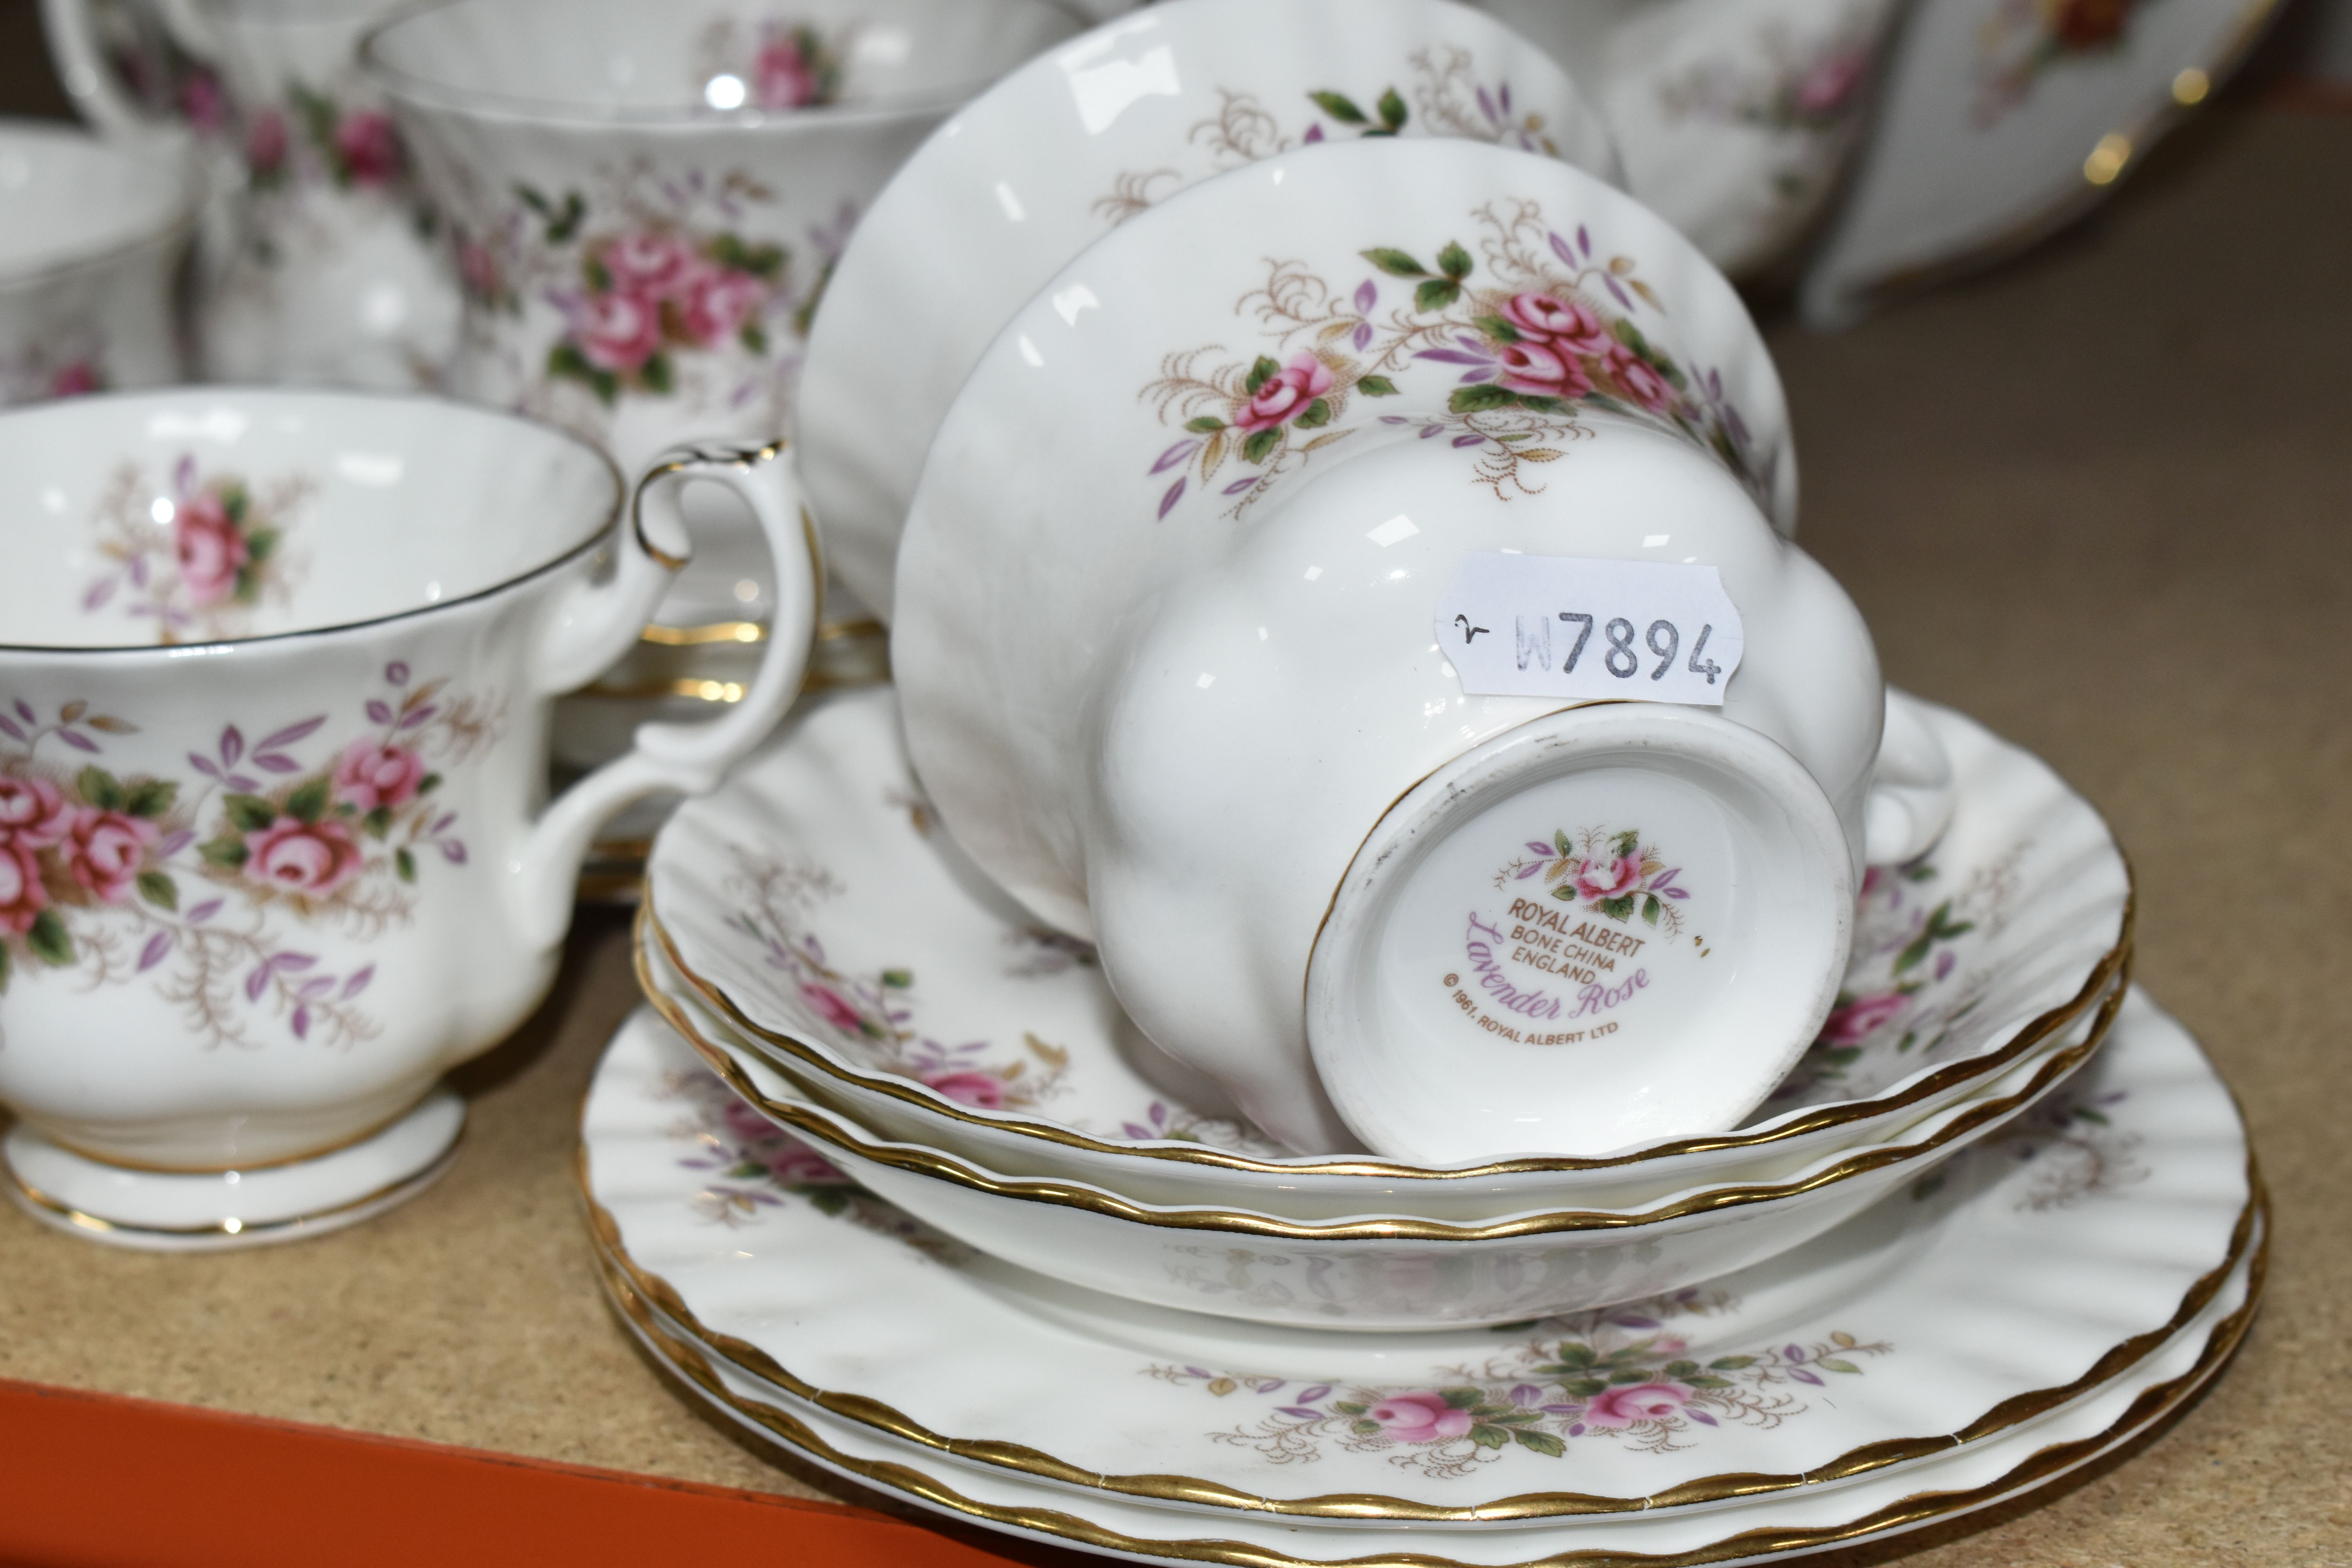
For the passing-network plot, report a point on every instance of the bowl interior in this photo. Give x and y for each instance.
(210, 515)
(621, 60)
(65, 198)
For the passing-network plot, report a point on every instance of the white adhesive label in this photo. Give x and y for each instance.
(1559, 626)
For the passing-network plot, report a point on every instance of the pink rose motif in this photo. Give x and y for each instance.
(1598, 879)
(369, 775)
(1424, 1418)
(717, 302)
(782, 76)
(1639, 380)
(1863, 1016)
(1546, 318)
(299, 857)
(655, 264)
(1636, 1402)
(1285, 394)
(368, 147)
(833, 1007)
(1542, 369)
(266, 142)
(981, 1090)
(618, 331)
(76, 379)
(203, 102)
(210, 549)
(795, 1165)
(22, 897)
(33, 813)
(103, 850)
(1832, 80)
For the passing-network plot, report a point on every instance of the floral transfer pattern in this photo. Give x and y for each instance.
(2024, 39)
(875, 1015)
(320, 139)
(202, 884)
(1537, 326)
(2071, 1141)
(1907, 987)
(774, 64)
(1447, 95)
(1614, 1376)
(71, 364)
(194, 561)
(661, 287)
(1608, 872)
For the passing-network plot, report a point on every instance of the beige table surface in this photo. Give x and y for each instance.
(2103, 500)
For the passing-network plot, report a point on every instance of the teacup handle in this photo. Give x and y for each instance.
(600, 622)
(89, 81)
(1912, 789)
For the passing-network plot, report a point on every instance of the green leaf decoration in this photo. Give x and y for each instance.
(308, 801)
(1453, 261)
(1565, 895)
(562, 226)
(1560, 842)
(3, 969)
(429, 784)
(260, 544)
(1921, 873)
(1261, 372)
(532, 199)
(1490, 1436)
(159, 891)
(1650, 909)
(1495, 327)
(248, 812)
(227, 853)
(1914, 955)
(1376, 386)
(1620, 908)
(1363, 1428)
(377, 823)
(48, 939)
(655, 374)
(1393, 114)
(1703, 1381)
(1731, 1362)
(1436, 294)
(1315, 415)
(1461, 1398)
(1629, 841)
(100, 788)
(1505, 1414)
(1543, 1443)
(597, 276)
(1586, 1387)
(1395, 263)
(405, 864)
(1629, 1375)
(149, 797)
(1206, 425)
(1260, 443)
(1340, 106)
(898, 979)
(752, 338)
(2085, 1113)
(1680, 1368)
(1349, 1407)
(1479, 398)
(828, 1201)
(1835, 1364)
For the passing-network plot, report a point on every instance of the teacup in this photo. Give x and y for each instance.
(273, 742)
(90, 239)
(1177, 638)
(645, 203)
(319, 266)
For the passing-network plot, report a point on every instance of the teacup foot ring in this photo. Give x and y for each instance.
(165, 1211)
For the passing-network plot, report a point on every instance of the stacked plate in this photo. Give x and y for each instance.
(883, 1174)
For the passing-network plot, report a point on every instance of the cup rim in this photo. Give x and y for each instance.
(173, 224)
(603, 528)
(425, 93)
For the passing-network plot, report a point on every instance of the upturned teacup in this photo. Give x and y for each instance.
(274, 708)
(90, 239)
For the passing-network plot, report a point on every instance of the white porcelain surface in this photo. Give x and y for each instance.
(2004, 120)
(159, 1211)
(2040, 1265)
(91, 238)
(1736, 119)
(1163, 705)
(820, 909)
(1082, 138)
(645, 204)
(273, 719)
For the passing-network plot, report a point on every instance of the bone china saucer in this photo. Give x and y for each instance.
(1080, 140)
(2038, 1268)
(814, 903)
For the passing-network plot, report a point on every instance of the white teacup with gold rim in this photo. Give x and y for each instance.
(273, 728)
